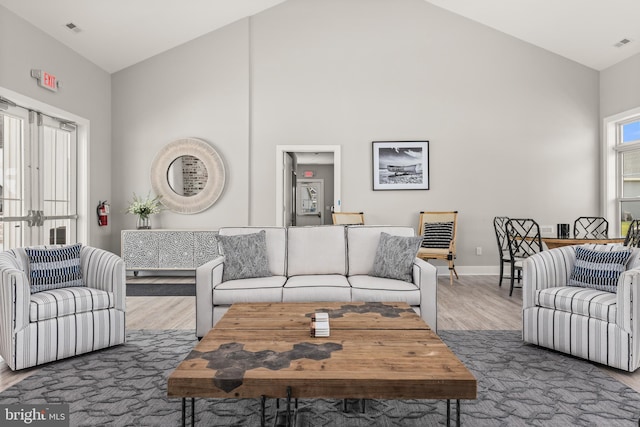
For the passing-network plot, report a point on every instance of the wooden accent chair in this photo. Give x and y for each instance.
(348, 218)
(439, 230)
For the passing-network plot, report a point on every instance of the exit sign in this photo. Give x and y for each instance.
(46, 80)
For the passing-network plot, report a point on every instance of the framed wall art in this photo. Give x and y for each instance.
(400, 165)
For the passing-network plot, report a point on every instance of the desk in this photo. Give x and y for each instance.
(557, 243)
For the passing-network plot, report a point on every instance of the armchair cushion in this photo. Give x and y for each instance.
(54, 268)
(394, 257)
(63, 302)
(245, 256)
(437, 234)
(598, 270)
(590, 303)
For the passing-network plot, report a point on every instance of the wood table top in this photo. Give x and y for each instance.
(553, 242)
(248, 358)
(355, 315)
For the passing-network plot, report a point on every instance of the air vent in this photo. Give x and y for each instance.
(622, 42)
(73, 27)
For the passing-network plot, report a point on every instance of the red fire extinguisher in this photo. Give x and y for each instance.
(103, 213)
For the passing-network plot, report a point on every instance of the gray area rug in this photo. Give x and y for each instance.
(518, 384)
(161, 289)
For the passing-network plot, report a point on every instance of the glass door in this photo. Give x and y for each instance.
(37, 179)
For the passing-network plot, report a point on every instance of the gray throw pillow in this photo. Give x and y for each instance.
(245, 256)
(394, 257)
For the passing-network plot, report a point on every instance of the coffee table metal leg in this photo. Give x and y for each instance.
(263, 400)
(458, 412)
(184, 412)
(448, 413)
(289, 406)
(193, 411)
(363, 403)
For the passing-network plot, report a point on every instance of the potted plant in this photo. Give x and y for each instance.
(144, 208)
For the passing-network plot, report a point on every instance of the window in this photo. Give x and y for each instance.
(622, 170)
(630, 132)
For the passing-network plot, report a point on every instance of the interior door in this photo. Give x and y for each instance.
(310, 202)
(38, 179)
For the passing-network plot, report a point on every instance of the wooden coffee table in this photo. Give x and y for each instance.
(375, 351)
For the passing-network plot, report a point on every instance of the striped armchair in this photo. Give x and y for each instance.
(55, 324)
(595, 325)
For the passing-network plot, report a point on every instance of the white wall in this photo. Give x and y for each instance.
(199, 89)
(620, 87)
(86, 93)
(513, 129)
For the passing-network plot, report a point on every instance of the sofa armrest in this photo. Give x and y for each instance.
(208, 275)
(15, 295)
(628, 301)
(425, 276)
(104, 270)
(546, 269)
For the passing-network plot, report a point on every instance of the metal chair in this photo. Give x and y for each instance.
(632, 238)
(499, 223)
(348, 218)
(590, 227)
(439, 230)
(524, 240)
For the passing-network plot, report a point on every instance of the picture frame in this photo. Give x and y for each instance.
(400, 165)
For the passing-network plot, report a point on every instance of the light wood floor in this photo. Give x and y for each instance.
(472, 303)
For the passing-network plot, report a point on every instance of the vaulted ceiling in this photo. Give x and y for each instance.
(115, 34)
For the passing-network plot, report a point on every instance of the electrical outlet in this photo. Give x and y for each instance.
(479, 250)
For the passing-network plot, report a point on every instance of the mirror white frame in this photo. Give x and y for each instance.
(215, 180)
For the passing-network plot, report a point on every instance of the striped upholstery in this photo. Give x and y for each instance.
(63, 302)
(584, 302)
(587, 323)
(51, 325)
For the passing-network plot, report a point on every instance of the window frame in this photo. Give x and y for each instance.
(612, 166)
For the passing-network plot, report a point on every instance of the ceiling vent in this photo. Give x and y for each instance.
(73, 27)
(622, 42)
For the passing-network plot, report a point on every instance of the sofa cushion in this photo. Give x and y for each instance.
(319, 287)
(276, 245)
(394, 257)
(259, 289)
(66, 301)
(369, 289)
(245, 256)
(597, 269)
(316, 250)
(54, 268)
(362, 242)
(577, 300)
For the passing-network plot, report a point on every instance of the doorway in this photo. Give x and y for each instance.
(310, 202)
(38, 171)
(288, 158)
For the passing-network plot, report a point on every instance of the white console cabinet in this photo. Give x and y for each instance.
(168, 249)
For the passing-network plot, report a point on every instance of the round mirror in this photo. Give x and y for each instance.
(188, 175)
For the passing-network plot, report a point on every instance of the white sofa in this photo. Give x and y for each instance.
(322, 263)
(591, 324)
